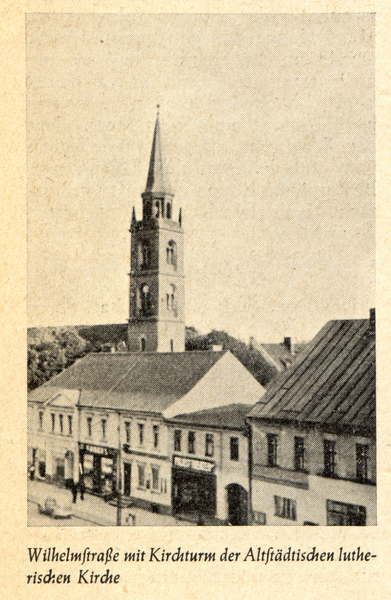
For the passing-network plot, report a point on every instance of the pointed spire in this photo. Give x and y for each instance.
(133, 215)
(157, 181)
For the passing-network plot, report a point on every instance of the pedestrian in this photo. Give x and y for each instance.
(74, 491)
(32, 471)
(82, 488)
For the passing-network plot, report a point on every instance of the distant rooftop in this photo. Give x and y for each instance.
(231, 416)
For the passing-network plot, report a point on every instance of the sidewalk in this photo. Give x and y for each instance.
(96, 510)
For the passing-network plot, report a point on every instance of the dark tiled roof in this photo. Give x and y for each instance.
(332, 383)
(231, 416)
(280, 353)
(140, 381)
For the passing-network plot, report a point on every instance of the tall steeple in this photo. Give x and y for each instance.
(158, 195)
(157, 180)
(157, 286)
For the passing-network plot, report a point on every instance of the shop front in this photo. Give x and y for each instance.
(193, 486)
(98, 467)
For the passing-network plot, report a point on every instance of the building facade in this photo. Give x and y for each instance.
(314, 434)
(209, 453)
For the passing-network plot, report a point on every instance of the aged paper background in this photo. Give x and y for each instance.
(168, 580)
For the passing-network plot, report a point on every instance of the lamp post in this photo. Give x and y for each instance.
(119, 475)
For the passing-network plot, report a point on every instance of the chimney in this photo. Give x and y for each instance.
(372, 321)
(288, 344)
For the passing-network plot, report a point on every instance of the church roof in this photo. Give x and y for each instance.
(331, 384)
(157, 180)
(144, 381)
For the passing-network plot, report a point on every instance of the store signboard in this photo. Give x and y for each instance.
(102, 450)
(195, 464)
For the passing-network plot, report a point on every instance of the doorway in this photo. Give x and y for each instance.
(237, 504)
(127, 479)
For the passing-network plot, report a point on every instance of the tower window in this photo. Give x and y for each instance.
(144, 255)
(172, 345)
(170, 297)
(171, 252)
(157, 211)
(143, 345)
(168, 210)
(145, 300)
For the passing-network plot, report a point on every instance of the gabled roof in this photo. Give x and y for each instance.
(331, 384)
(277, 355)
(138, 381)
(231, 416)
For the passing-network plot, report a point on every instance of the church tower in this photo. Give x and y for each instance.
(157, 275)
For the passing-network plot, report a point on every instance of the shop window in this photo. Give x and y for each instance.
(155, 479)
(53, 422)
(339, 513)
(209, 444)
(61, 419)
(103, 423)
(156, 436)
(271, 450)
(259, 518)
(191, 442)
(141, 433)
(70, 424)
(234, 448)
(177, 440)
(141, 475)
(362, 452)
(89, 426)
(40, 415)
(299, 454)
(127, 431)
(285, 508)
(329, 458)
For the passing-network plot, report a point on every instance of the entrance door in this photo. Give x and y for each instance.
(97, 474)
(127, 479)
(237, 504)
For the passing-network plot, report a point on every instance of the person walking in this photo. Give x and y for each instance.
(82, 487)
(74, 491)
(32, 471)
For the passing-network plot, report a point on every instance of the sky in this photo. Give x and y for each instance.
(268, 126)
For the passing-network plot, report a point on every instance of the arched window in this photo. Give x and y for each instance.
(145, 300)
(143, 345)
(171, 252)
(168, 210)
(144, 255)
(170, 297)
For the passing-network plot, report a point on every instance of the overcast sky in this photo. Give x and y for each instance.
(268, 129)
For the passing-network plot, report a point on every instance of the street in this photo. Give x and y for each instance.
(35, 519)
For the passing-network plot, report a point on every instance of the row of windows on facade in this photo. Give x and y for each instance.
(144, 254)
(338, 513)
(61, 423)
(209, 444)
(329, 456)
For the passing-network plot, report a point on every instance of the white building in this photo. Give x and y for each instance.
(314, 434)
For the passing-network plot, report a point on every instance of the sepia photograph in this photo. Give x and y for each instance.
(201, 334)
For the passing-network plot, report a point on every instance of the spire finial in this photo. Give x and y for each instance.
(158, 109)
